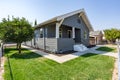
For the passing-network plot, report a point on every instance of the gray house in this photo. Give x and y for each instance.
(61, 33)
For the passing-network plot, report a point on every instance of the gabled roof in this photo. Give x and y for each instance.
(61, 17)
(95, 33)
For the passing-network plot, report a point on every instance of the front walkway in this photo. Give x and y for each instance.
(61, 59)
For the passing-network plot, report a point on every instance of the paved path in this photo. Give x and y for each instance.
(1, 66)
(61, 59)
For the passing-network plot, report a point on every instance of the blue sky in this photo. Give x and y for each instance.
(102, 14)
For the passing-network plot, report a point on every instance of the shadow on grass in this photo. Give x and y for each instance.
(89, 55)
(7, 50)
(108, 49)
(13, 53)
(26, 55)
(10, 68)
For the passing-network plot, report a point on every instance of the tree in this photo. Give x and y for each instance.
(19, 31)
(4, 27)
(35, 22)
(112, 34)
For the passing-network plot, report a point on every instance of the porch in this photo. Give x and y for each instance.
(56, 38)
(59, 31)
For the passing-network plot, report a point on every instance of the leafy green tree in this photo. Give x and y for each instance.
(18, 31)
(112, 34)
(4, 27)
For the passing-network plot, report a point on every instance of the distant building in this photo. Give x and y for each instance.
(96, 37)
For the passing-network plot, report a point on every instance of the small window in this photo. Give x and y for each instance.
(79, 21)
(85, 34)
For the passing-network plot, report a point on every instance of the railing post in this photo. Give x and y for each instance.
(57, 30)
(73, 32)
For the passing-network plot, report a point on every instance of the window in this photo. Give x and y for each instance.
(69, 32)
(79, 21)
(85, 35)
(60, 32)
(41, 32)
(46, 32)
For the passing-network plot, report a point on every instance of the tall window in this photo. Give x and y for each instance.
(46, 32)
(69, 32)
(41, 32)
(85, 34)
(60, 32)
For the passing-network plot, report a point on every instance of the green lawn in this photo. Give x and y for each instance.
(30, 66)
(107, 49)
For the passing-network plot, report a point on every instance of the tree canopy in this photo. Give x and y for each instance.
(112, 34)
(16, 30)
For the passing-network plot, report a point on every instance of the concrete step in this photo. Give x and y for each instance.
(80, 47)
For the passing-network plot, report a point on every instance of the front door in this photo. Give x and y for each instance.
(77, 36)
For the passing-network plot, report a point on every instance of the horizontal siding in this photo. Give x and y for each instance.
(51, 44)
(39, 43)
(65, 44)
(28, 43)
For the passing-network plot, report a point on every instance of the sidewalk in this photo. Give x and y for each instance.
(1, 65)
(61, 59)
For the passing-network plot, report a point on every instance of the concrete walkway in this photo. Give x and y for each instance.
(1, 65)
(62, 59)
(59, 59)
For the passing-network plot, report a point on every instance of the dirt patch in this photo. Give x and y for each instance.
(57, 54)
(65, 53)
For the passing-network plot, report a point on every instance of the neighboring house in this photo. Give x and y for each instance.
(96, 37)
(61, 33)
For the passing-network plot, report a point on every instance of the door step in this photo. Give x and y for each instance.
(80, 47)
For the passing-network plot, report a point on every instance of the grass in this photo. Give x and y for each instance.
(30, 66)
(107, 49)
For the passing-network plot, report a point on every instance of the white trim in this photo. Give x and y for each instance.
(61, 22)
(73, 32)
(57, 30)
(69, 14)
(86, 20)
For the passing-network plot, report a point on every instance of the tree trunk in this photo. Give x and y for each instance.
(2, 48)
(19, 46)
